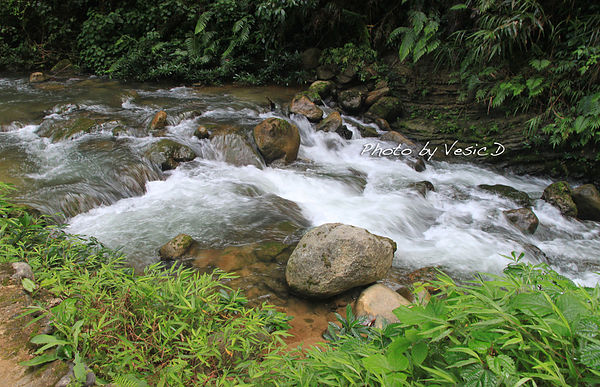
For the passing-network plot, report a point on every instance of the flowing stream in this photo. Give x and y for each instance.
(110, 190)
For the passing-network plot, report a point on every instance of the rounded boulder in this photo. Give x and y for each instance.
(335, 257)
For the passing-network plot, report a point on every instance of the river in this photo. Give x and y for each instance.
(111, 191)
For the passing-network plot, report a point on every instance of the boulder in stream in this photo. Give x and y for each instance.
(511, 193)
(69, 129)
(524, 219)
(234, 148)
(559, 195)
(176, 248)
(351, 100)
(169, 154)
(37, 77)
(159, 121)
(322, 89)
(301, 104)
(335, 257)
(377, 302)
(332, 123)
(587, 199)
(277, 139)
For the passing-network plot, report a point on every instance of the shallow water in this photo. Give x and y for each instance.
(110, 190)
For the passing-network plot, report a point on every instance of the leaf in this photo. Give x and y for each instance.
(79, 368)
(28, 285)
(42, 359)
(531, 304)
(419, 352)
(377, 364)
(458, 7)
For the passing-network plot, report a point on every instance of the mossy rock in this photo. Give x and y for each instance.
(273, 251)
(169, 154)
(277, 139)
(67, 130)
(559, 195)
(511, 193)
(322, 89)
(388, 108)
(176, 248)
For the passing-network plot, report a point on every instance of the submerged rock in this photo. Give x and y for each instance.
(511, 193)
(587, 199)
(176, 248)
(202, 132)
(332, 123)
(559, 195)
(378, 302)
(277, 139)
(159, 121)
(335, 257)
(69, 129)
(422, 187)
(301, 104)
(235, 149)
(169, 154)
(344, 132)
(524, 219)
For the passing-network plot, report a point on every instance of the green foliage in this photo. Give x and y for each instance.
(419, 39)
(357, 58)
(530, 326)
(170, 327)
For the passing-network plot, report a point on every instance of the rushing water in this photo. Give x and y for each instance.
(114, 193)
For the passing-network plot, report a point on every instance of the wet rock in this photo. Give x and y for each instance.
(422, 187)
(202, 132)
(351, 100)
(159, 121)
(383, 124)
(277, 139)
(326, 72)
(321, 88)
(301, 104)
(517, 196)
(176, 248)
(335, 257)
(68, 130)
(587, 199)
(378, 302)
(310, 58)
(235, 149)
(22, 270)
(169, 154)
(37, 77)
(344, 132)
(376, 95)
(388, 108)
(398, 138)
(419, 165)
(559, 195)
(524, 219)
(332, 123)
(367, 131)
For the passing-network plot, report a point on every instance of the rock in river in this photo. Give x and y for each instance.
(559, 195)
(587, 199)
(335, 257)
(519, 197)
(301, 104)
(277, 139)
(524, 219)
(176, 248)
(169, 154)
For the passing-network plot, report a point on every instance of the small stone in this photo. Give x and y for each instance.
(22, 270)
(37, 77)
(202, 132)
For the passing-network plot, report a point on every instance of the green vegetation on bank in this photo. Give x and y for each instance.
(173, 327)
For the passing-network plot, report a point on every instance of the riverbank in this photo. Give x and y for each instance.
(177, 327)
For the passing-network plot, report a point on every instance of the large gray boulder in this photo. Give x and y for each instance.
(335, 257)
(587, 199)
